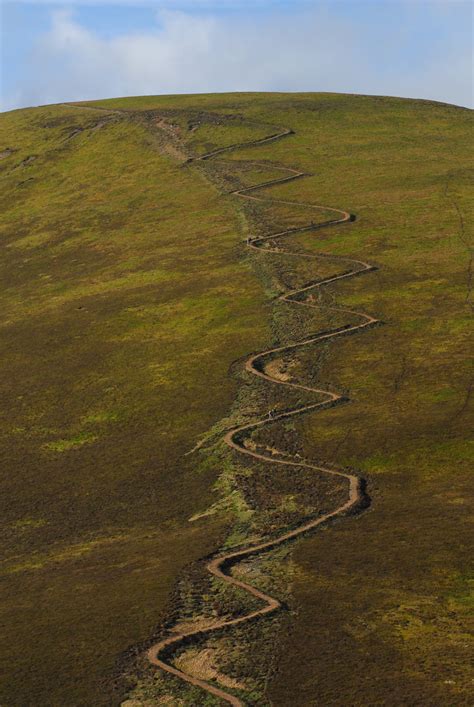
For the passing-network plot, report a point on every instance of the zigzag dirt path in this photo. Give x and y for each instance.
(220, 566)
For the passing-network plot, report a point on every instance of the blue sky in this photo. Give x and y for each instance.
(83, 49)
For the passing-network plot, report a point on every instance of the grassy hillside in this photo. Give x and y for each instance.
(121, 282)
(127, 295)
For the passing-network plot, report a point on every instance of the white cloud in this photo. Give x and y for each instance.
(191, 4)
(189, 53)
(226, 4)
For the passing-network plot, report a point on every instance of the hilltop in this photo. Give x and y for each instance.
(139, 292)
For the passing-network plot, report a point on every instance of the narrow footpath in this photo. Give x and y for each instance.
(161, 653)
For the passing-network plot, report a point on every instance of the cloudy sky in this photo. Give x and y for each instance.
(64, 50)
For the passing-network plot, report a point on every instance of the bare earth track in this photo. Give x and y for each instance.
(221, 565)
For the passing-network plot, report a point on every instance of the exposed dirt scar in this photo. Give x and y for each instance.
(220, 566)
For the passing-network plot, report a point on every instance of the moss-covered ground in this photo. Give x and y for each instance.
(128, 295)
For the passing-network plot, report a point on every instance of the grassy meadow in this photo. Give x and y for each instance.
(128, 306)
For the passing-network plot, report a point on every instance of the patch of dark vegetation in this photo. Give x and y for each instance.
(89, 129)
(27, 161)
(25, 181)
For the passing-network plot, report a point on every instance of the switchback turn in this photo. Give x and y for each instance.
(220, 566)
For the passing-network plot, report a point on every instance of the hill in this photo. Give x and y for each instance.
(130, 307)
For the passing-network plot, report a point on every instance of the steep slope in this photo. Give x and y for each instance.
(112, 300)
(374, 605)
(238, 438)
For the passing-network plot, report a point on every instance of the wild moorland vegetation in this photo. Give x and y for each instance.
(128, 304)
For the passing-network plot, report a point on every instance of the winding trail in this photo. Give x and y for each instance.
(221, 565)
